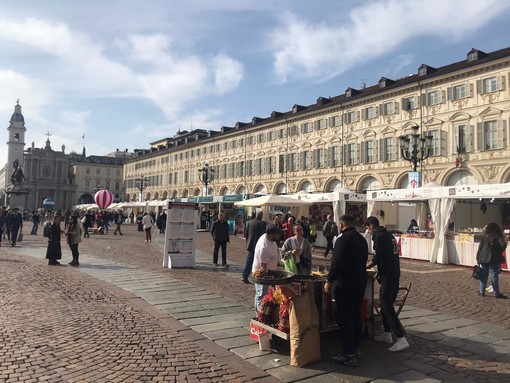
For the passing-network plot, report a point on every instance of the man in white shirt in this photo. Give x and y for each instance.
(266, 257)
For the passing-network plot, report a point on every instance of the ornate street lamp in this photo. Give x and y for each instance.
(206, 175)
(141, 184)
(415, 148)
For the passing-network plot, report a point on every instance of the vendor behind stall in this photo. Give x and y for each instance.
(413, 227)
(266, 257)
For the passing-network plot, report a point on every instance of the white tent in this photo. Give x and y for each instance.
(441, 201)
(338, 198)
(273, 200)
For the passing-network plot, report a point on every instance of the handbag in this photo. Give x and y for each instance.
(20, 237)
(477, 272)
(305, 262)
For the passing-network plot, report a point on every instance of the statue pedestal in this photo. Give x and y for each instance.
(17, 197)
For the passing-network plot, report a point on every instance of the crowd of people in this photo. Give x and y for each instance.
(73, 225)
(347, 277)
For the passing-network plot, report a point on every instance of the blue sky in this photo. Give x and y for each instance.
(128, 72)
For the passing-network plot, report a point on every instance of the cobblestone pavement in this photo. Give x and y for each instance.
(56, 322)
(59, 325)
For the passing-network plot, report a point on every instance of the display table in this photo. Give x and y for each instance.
(415, 248)
(462, 252)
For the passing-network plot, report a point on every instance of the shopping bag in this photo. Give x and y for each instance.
(290, 264)
(261, 335)
(477, 272)
(20, 237)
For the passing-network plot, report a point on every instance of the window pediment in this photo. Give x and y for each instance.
(368, 133)
(388, 130)
(490, 111)
(433, 121)
(460, 116)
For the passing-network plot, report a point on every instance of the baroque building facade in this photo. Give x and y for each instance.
(350, 140)
(67, 179)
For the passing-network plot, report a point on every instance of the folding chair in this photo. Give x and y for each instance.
(403, 292)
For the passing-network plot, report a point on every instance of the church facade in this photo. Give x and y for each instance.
(53, 178)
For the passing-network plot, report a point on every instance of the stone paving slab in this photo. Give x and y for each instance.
(289, 373)
(226, 333)
(408, 376)
(250, 351)
(218, 318)
(235, 342)
(219, 326)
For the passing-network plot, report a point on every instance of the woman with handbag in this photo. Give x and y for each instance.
(301, 250)
(490, 257)
(73, 234)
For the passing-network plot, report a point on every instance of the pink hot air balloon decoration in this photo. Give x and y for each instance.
(103, 198)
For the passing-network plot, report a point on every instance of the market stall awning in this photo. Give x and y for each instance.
(273, 200)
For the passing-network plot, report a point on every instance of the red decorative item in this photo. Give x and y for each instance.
(103, 198)
(457, 162)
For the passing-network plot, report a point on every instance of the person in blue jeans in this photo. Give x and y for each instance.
(490, 257)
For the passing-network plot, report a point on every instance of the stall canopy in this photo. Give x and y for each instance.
(338, 198)
(273, 200)
(441, 201)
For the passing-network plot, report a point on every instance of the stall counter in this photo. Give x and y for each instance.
(415, 247)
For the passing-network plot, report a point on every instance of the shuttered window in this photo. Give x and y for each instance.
(335, 158)
(351, 117)
(459, 92)
(410, 103)
(352, 154)
(491, 134)
(306, 160)
(388, 150)
(293, 162)
(490, 84)
(388, 108)
(370, 112)
(306, 127)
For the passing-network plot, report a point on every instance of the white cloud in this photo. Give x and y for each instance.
(228, 73)
(320, 51)
(32, 92)
(141, 66)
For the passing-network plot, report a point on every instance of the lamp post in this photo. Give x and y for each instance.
(415, 148)
(206, 175)
(141, 184)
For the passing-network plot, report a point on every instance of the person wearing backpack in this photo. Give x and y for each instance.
(330, 231)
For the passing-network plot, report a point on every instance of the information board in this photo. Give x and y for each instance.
(181, 224)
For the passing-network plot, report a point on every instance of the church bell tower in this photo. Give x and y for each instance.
(16, 143)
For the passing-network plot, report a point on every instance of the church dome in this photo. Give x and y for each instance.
(17, 116)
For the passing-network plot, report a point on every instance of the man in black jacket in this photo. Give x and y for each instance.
(16, 226)
(347, 280)
(254, 230)
(388, 274)
(220, 234)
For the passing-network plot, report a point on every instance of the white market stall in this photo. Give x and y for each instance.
(459, 248)
(272, 200)
(343, 201)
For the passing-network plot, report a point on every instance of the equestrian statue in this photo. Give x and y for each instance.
(17, 175)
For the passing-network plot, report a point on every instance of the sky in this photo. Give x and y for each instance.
(120, 74)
